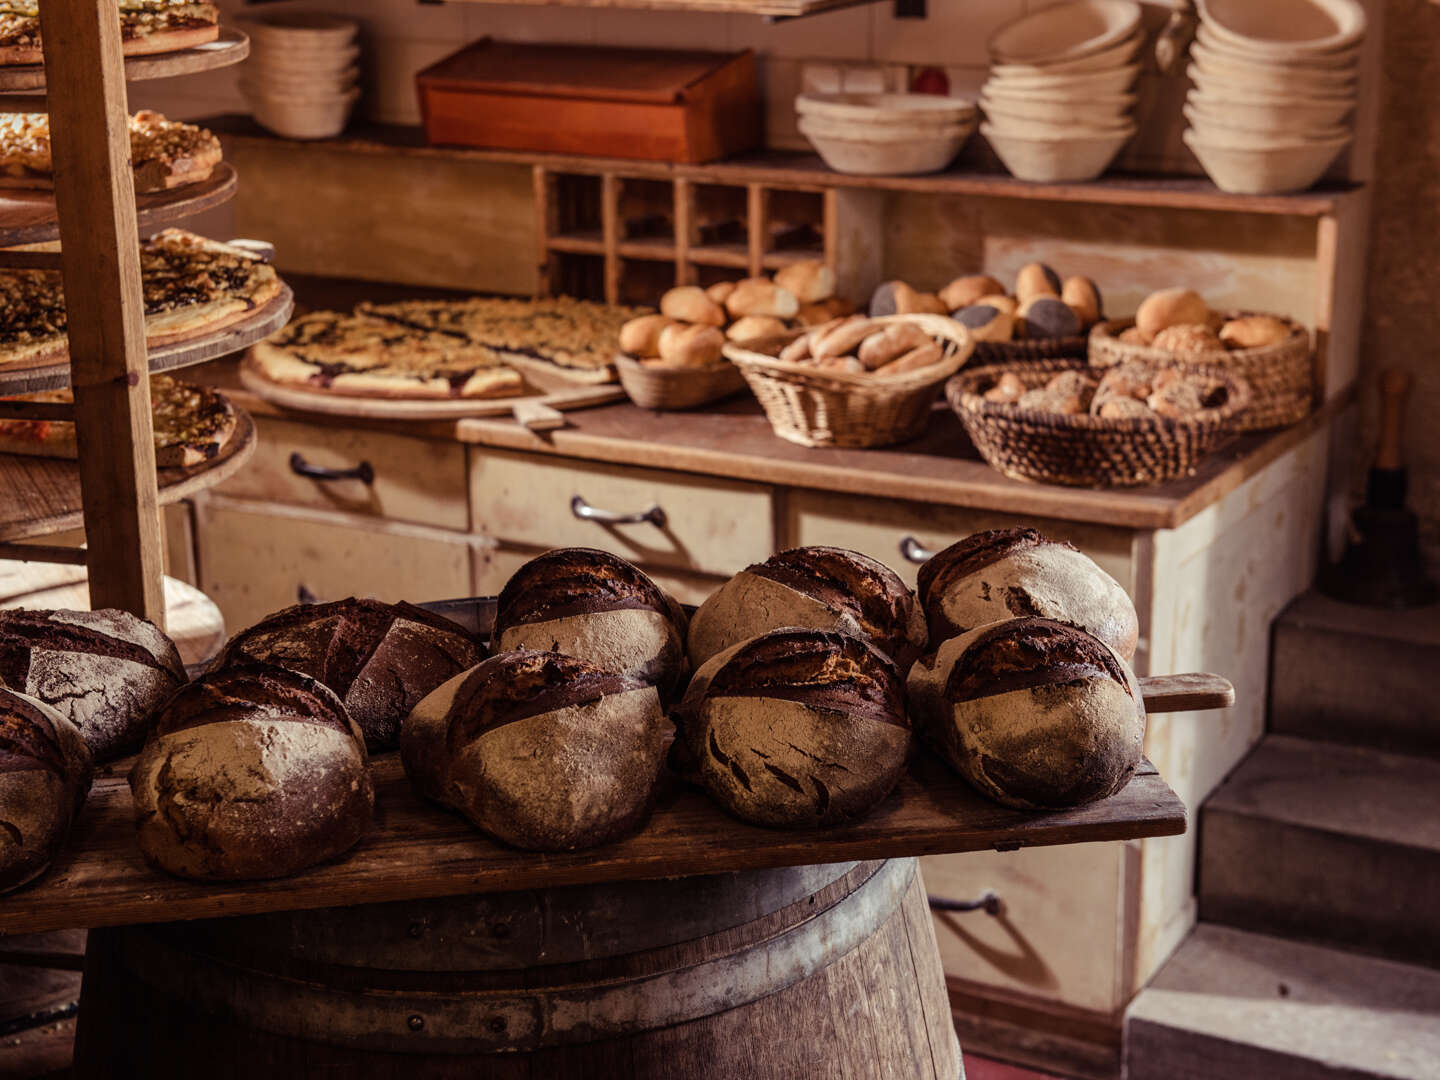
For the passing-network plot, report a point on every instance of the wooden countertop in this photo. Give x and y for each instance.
(733, 440)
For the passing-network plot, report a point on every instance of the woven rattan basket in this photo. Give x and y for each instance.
(664, 388)
(1029, 351)
(815, 408)
(1085, 450)
(1281, 378)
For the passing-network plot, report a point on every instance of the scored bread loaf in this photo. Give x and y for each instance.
(825, 588)
(541, 750)
(641, 336)
(755, 326)
(797, 728)
(810, 281)
(105, 671)
(1170, 307)
(1012, 573)
(761, 296)
(45, 773)
(598, 607)
(691, 346)
(380, 659)
(691, 304)
(251, 772)
(1033, 713)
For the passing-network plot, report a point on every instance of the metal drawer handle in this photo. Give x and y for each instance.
(914, 551)
(585, 512)
(364, 472)
(988, 902)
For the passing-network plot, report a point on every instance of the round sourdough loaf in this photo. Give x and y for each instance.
(541, 750)
(1014, 573)
(798, 728)
(379, 658)
(1033, 712)
(824, 588)
(105, 671)
(45, 771)
(251, 772)
(595, 606)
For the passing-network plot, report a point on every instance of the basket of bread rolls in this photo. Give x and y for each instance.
(673, 360)
(1131, 424)
(1043, 317)
(1272, 354)
(855, 381)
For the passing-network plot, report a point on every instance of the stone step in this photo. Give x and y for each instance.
(1359, 675)
(1231, 1005)
(1330, 843)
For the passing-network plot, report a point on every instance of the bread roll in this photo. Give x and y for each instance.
(826, 588)
(1083, 296)
(1121, 408)
(846, 365)
(755, 326)
(1010, 573)
(641, 337)
(760, 296)
(918, 359)
(842, 338)
(1254, 332)
(890, 343)
(1033, 713)
(1047, 317)
(690, 304)
(1034, 280)
(1001, 302)
(540, 750)
(810, 281)
(797, 351)
(105, 671)
(251, 772)
(1170, 307)
(898, 298)
(1008, 389)
(720, 291)
(815, 314)
(45, 772)
(964, 291)
(691, 346)
(598, 607)
(798, 728)
(1188, 339)
(986, 322)
(379, 659)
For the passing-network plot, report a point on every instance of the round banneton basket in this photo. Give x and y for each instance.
(1030, 351)
(1085, 450)
(821, 408)
(1281, 378)
(672, 389)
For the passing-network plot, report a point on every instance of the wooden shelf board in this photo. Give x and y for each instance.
(577, 243)
(261, 323)
(736, 256)
(807, 172)
(775, 260)
(28, 217)
(416, 850)
(41, 496)
(653, 250)
(231, 47)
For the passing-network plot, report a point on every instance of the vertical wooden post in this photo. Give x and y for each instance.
(95, 199)
(757, 227)
(546, 220)
(684, 231)
(610, 233)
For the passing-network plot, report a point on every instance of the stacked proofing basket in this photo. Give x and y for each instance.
(301, 77)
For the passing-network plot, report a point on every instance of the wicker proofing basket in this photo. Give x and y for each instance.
(1281, 378)
(1030, 351)
(815, 408)
(1084, 450)
(657, 386)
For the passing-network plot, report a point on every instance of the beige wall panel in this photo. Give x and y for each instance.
(1059, 933)
(421, 480)
(437, 222)
(495, 564)
(253, 563)
(713, 527)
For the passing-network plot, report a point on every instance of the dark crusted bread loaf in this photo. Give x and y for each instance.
(45, 771)
(598, 607)
(380, 659)
(251, 772)
(1018, 573)
(798, 728)
(824, 588)
(1034, 713)
(540, 750)
(105, 671)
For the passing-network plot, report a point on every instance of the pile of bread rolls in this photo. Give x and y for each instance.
(1179, 321)
(1041, 306)
(861, 345)
(1130, 390)
(694, 323)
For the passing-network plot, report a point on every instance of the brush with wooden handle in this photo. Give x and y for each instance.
(1186, 693)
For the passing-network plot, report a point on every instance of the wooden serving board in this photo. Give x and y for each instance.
(417, 850)
(572, 396)
(230, 47)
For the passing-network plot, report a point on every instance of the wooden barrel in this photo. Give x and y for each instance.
(804, 972)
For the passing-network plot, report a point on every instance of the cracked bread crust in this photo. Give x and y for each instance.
(253, 772)
(45, 774)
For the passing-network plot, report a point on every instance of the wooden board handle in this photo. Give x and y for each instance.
(1184, 693)
(1395, 386)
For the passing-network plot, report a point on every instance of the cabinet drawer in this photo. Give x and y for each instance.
(1060, 931)
(878, 527)
(253, 563)
(495, 565)
(421, 480)
(710, 526)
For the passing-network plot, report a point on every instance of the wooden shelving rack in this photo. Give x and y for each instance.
(96, 217)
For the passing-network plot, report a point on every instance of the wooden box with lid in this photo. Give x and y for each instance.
(650, 104)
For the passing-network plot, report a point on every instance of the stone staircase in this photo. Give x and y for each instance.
(1318, 949)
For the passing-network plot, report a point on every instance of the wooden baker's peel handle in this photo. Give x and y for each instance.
(1185, 693)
